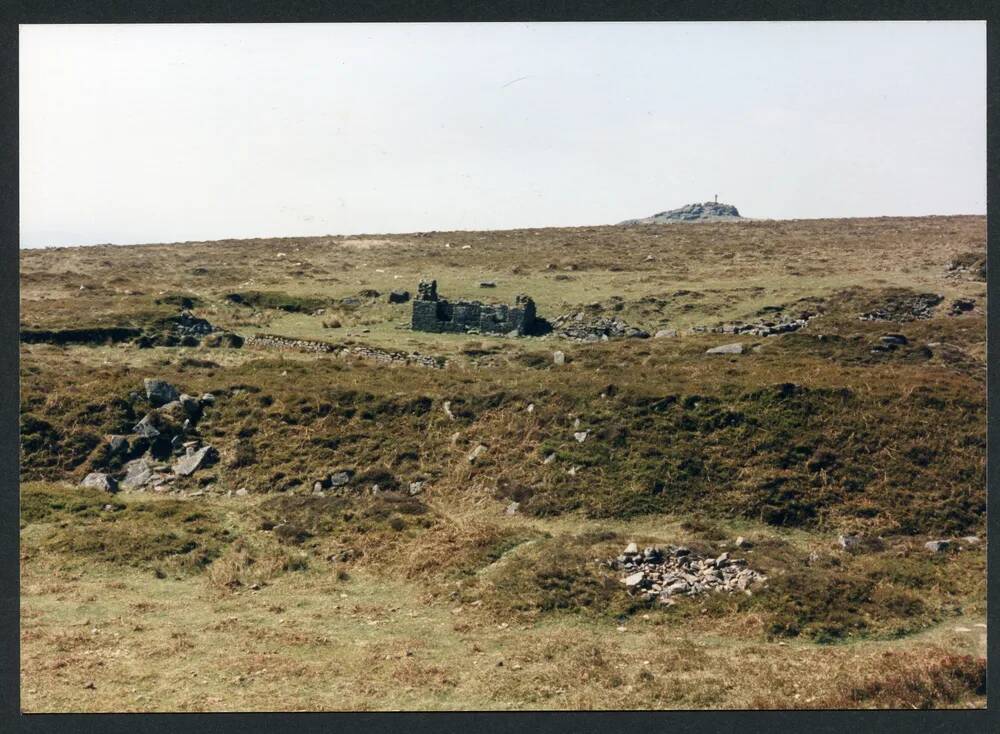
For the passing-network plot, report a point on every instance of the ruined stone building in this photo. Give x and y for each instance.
(431, 313)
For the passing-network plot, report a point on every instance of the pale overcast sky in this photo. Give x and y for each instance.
(164, 133)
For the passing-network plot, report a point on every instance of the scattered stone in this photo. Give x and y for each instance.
(476, 453)
(159, 392)
(241, 492)
(549, 459)
(487, 284)
(743, 543)
(187, 465)
(736, 348)
(937, 546)
(145, 427)
(580, 436)
(558, 358)
(117, 445)
(971, 540)
(961, 305)
(867, 543)
(340, 478)
(512, 508)
(665, 333)
(848, 542)
(447, 410)
(137, 473)
(635, 579)
(191, 406)
(174, 409)
(399, 296)
(580, 326)
(971, 265)
(207, 399)
(530, 408)
(416, 488)
(99, 480)
(893, 340)
(905, 307)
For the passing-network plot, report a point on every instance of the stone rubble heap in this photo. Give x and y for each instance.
(664, 573)
(969, 266)
(585, 328)
(163, 446)
(187, 330)
(905, 308)
(770, 327)
(189, 324)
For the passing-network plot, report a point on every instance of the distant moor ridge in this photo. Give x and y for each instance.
(710, 211)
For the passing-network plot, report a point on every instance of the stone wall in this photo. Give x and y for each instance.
(284, 343)
(434, 314)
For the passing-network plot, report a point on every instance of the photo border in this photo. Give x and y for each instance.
(257, 11)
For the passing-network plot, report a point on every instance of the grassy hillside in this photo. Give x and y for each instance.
(455, 596)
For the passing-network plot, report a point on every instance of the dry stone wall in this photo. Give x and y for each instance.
(438, 315)
(287, 344)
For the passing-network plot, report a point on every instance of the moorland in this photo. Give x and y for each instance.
(369, 529)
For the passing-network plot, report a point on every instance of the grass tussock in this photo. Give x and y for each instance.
(915, 681)
(155, 534)
(246, 564)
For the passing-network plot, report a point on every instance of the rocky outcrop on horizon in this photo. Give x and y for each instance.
(710, 211)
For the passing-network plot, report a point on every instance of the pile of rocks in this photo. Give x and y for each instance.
(189, 324)
(188, 330)
(782, 325)
(665, 573)
(905, 308)
(969, 265)
(163, 445)
(582, 327)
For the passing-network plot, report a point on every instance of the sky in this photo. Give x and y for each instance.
(173, 133)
